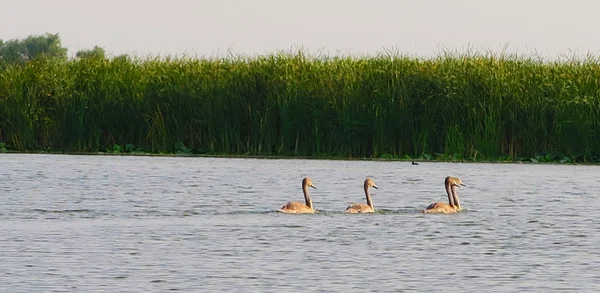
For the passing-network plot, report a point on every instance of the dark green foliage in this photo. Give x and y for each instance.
(30, 48)
(456, 107)
(96, 52)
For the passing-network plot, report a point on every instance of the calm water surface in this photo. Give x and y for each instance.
(157, 224)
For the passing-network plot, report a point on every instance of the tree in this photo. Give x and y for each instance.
(36, 46)
(96, 52)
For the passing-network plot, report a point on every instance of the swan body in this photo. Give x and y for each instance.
(453, 204)
(440, 208)
(361, 207)
(294, 207)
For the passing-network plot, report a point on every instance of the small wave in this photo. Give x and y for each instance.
(55, 214)
(317, 212)
(67, 211)
(401, 211)
(240, 213)
(291, 226)
(154, 213)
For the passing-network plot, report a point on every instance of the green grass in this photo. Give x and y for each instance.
(453, 107)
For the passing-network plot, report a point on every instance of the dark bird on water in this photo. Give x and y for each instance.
(413, 162)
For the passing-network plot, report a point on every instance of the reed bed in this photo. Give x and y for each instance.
(455, 107)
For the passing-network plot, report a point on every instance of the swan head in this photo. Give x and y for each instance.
(454, 181)
(370, 183)
(307, 182)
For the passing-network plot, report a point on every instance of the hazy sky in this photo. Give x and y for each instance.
(415, 27)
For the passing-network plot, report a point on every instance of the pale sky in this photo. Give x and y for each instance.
(249, 27)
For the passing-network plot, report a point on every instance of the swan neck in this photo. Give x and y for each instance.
(450, 194)
(368, 196)
(307, 198)
(455, 197)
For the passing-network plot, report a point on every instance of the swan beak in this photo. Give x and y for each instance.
(313, 186)
(375, 186)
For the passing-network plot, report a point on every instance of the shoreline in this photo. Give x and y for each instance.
(291, 157)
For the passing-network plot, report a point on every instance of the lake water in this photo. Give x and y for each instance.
(158, 224)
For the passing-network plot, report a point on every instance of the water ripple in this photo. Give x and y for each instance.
(154, 224)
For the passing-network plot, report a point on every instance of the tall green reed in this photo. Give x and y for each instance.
(459, 106)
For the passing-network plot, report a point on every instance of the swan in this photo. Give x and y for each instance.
(294, 207)
(453, 204)
(361, 207)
